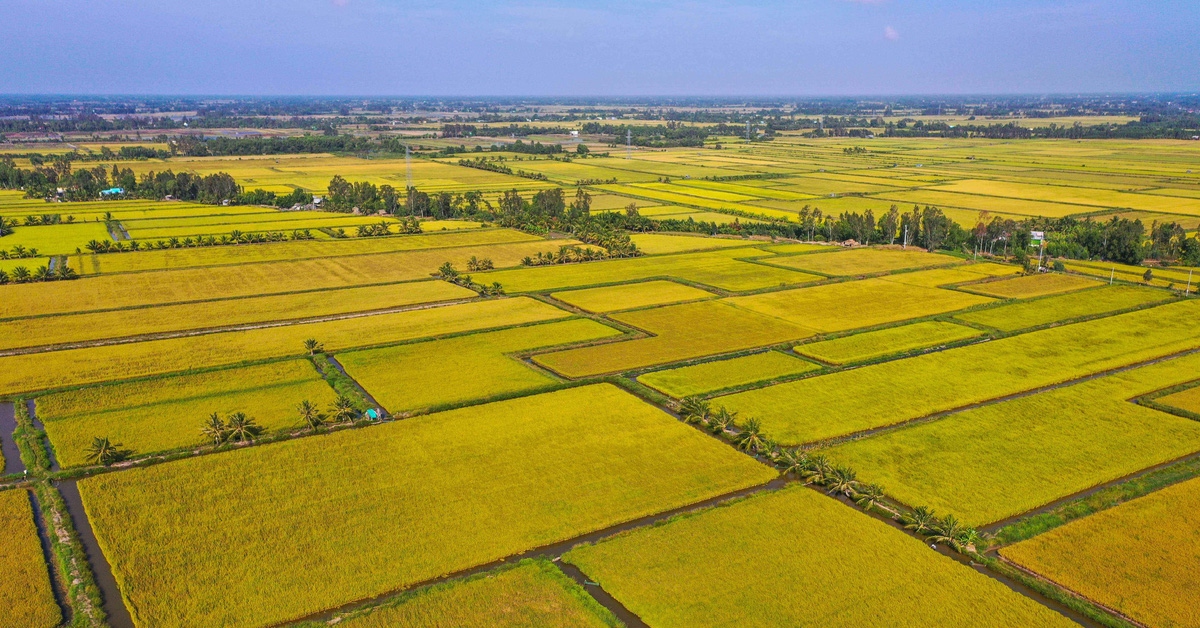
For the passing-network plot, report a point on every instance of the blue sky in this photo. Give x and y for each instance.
(621, 47)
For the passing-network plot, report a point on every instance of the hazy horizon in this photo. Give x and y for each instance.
(559, 49)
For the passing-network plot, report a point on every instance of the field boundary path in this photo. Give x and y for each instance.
(8, 443)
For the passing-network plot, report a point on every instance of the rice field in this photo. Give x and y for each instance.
(795, 412)
(167, 413)
(724, 269)
(707, 377)
(863, 261)
(1136, 557)
(113, 291)
(854, 304)
(420, 375)
(876, 344)
(26, 599)
(1031, 286)
(1027, 314)
(532, 593)
(70, 367)
(679, 332)
(630, 296)
(73, 328)
(735, 564)
(541, 465)
(1001, 460)
(660, 243)
(1187, 400)
(56, 239)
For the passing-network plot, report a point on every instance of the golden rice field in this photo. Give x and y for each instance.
(165, 259)
(660, 243)
(70, 367)
(1187, 400)
(56, 239)
(892, 340)
(795, 412)
(113, 291)
(167, 413)
(1026, 314)
(1031, 286)
(532, 593)
(679, 332)
(863, 261)
(1004, 459)
(464, 368)
(26, 599)
(629, 296)
(1137, 557)
(396, 504)
(734, 563)
(711, 376)
(34, 332)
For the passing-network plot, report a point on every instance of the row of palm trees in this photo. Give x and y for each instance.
(447, 272)
(815, 469)
(234, 237)
(20, 274)
(568, 254)
(18, 252)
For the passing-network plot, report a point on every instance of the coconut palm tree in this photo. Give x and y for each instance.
(949, 531)
(842, 481)
(342, 410)
(694, 410)
(818, 470)
(20, 274)
(310, 415)
(750, 439)
(43, 273)
(721, 421)
(870, 497)
(104, 451)
(242, 429)
(313, 347)
(920, 520)
(794, 461)
(215, 430)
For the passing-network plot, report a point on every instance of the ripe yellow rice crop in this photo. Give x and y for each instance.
(65, 328)
(26, 599)
(660, 243)
(630, 295)
(709, 376)
(200, 284)
(39, 371)
(854, 304)
(167, 413)
(875, 344)
(680, 332)
(1138, 558)
(163, 259)
(893, 392)
(1187, 400)
(736, 564)
(1023, 315)
(1031, 286)
(452, 370)
(394, 504)
(997, 461)
(533, 593)
(720, 269)
(863, 261)
(56, 239)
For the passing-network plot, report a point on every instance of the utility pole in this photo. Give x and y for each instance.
(1188, 292)
(628, 143)
(408, 165)
(747, 130)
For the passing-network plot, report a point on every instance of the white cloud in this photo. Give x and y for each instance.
(890, 34)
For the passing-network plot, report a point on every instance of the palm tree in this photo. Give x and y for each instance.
(949, 531)
(342, 410)
(313, 347)
(842, 481)
(751, 439)
(105, 452)
(722, 421)
(310, 415)
(795, 461)
(818, 470)
(870, 497)
(215, 430)
(920, 520)
(20, 274)
(694, 410)
(43, 273)
(242, 428)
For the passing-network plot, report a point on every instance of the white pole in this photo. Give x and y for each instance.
(1189, 288)
(1111, 275)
